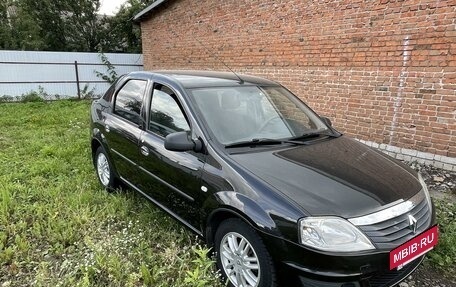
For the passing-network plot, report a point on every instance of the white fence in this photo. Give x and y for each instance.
(65, 74)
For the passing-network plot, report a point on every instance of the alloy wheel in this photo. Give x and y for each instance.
(103, 169)
(239, 260)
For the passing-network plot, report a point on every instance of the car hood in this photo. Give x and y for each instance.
(338, 176)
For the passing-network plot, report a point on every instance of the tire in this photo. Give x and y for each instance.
(234, 234)
(104, 169)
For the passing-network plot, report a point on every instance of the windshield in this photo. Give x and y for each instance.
(236, 114)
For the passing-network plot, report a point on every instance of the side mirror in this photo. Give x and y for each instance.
(181, 141)
(327, 121)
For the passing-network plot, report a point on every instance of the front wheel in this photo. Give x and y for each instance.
(104, 170)
(242, 256)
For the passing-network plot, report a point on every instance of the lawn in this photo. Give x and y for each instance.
(59, 228)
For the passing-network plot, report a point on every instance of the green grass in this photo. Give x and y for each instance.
(444, 255)
(59, 228)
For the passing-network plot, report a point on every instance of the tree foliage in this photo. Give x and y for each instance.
(85, 29)
(18, 29)
(5, 32)
(127, 35)
(68, 25)
(49, 19)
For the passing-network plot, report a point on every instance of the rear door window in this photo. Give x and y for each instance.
(129, 100)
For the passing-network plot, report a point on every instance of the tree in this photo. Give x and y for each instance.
(49, 17)
(26, 33)
(5, 28)
(86, 30)
(18, 30)
(68, 25)
(125, 36)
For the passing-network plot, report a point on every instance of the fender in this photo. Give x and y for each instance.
(100, 139)
(238, 205)
(234, 204)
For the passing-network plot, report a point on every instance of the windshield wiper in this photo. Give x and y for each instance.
(262, 141)
(313, 135)
(293, 140)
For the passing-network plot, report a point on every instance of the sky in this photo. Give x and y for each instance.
(110, 7)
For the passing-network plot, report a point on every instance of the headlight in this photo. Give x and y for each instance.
(332, 234)
(425, 189)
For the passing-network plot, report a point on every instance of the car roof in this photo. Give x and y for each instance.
(200, 79)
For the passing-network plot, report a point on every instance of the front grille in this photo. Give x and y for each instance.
(392, 277)
(393, 232)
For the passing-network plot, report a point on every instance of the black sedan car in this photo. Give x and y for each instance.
(268, 183)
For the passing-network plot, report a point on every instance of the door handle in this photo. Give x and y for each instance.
(107, 128)
(144, 150)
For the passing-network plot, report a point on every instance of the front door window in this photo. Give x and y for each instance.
(166, 115)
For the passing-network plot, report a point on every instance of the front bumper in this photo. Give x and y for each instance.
(315, 268)
(309, 268)
(379, 279)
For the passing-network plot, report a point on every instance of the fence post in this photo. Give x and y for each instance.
(77, 78)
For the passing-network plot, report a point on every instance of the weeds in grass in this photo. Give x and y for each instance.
(31, 97)
(36, 96)
(88, 93)
(59, 228)
(204, 268)
(444, 255)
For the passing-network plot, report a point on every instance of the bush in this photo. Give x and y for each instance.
(6, 98)
(88, 94)
(32, 96)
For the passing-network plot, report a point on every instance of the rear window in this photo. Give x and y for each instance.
(110, 92)
(108, 95)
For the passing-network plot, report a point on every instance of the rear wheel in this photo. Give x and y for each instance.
(242, 257)
(104, 170)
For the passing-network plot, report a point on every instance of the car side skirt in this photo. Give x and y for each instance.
(164, 208)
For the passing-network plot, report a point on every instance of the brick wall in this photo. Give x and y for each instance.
(383, 71)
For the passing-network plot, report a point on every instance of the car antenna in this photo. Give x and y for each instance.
(241, 81)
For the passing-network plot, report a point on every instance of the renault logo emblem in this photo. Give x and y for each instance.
(412, 223)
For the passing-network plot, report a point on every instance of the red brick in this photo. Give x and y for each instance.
(349, 60)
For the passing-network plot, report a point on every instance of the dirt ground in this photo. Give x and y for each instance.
(426, 276)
